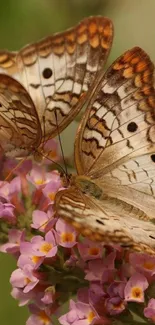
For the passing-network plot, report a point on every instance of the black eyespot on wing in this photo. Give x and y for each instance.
(47, 73)
(153, 157)
(0, 105)
(132, 127)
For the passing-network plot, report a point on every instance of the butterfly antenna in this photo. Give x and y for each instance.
(46, 156)
(54, 162)
(62, 152)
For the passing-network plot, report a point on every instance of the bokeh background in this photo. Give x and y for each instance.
(23, 22)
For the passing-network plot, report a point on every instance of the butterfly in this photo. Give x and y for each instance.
(112, 197)
(44, 85)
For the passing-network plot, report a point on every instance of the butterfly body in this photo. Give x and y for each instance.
(86, 186)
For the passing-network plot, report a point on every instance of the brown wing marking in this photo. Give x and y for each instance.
(59, 71)
(19, 125)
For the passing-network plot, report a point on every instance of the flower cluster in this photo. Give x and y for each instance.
(104, 284)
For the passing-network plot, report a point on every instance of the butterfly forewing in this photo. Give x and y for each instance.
(59, 70)
(118, 139)
(20, 130)
(119, 122)
(8, 62)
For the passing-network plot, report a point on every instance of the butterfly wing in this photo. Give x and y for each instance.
(20, 130)
(115, 146)
(8, 63)
(119, 122)
(59, 70)
(100, 223)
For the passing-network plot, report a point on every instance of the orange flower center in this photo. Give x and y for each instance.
(39, 181)
(149, 265)
(94, 251)
(44, 225)
(137, 292)
(90, 317)
(35, 259)
(67, 237)
(51, 196)
(118, 306)
(52, 154)
(43, 316)
(46, 247)
(27, 280)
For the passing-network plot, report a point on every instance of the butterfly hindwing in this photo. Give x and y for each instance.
(19, 124)
(99, 222)
(134, 182)
(118, 139)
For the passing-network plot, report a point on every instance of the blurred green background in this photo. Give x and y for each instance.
(22, 22)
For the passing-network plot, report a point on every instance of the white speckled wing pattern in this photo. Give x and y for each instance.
(115, 149)
(59, 72)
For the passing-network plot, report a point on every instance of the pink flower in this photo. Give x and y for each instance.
(83, 295)
(4, 189)
(12, 165)
(95, 270)
(15, 186)
(24, 298)
(15, 237)
(149, 311)
(38, 177)
(47, 247)
(7, 212)
(143, 263)
(101, 269)
(42, 220)
(79, 314)
(37, 250)
(115, 305)
(49, 295)
(28, 255)
(97, 296)
(72, 261)
(65, 234)
(135, 287)
(39, 316)
(24, 278)
(90, 250)
(7, 190)
(125, 271)
(52, 187)
(51, 151)
(116, 289)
